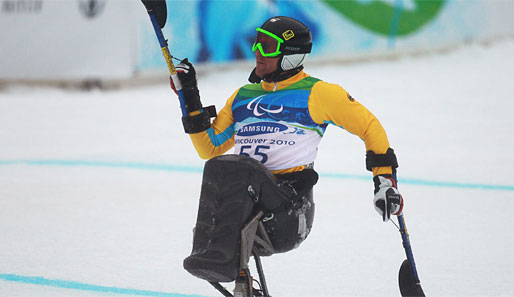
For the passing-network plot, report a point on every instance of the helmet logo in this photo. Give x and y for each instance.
(288, 34)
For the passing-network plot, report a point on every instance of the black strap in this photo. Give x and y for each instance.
(200, 122)
(211, 109)
(302, 181)
(381, 160)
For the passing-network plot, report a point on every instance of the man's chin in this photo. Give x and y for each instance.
(260, 73)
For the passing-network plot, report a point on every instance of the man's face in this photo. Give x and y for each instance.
(266, 65)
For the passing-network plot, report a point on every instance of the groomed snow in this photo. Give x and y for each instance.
(99, 190)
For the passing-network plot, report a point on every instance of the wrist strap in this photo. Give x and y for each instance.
(381, 160)
(200, 122)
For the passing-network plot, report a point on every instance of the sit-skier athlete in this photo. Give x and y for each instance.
(274, 125)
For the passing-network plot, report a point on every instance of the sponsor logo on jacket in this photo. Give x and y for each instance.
(261, 128)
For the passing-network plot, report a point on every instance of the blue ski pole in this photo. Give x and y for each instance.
(408, 278)
(157, 11)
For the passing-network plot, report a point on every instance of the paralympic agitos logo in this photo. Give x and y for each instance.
(258, 110)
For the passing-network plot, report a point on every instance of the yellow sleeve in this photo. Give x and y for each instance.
(219, 138)
(330, 103)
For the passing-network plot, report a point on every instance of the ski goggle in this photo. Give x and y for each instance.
(267, 43)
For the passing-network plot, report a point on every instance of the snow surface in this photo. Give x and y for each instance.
(99, 189)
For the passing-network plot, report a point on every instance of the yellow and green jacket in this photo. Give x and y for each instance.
(281, 124)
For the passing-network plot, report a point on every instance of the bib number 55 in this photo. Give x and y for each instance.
(246, 150)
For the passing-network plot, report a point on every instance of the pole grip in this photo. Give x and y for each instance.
(169, 60)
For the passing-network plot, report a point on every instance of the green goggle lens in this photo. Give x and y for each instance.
(267, 43)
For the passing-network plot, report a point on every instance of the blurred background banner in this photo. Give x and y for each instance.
(67, 39)
(113, 39)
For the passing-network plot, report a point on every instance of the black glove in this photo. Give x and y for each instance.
(388, 200)
(187, 75)
(187, 78)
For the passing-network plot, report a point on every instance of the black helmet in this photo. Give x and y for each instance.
(297, 37)
(283, 37)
